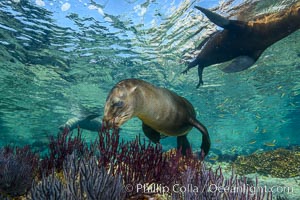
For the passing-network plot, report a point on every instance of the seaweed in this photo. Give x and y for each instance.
(81, 179)
(60, 147)
(114, 169)
(86, 180)
(48, 188)
(207, 184)
(138, 162)
(17, 169)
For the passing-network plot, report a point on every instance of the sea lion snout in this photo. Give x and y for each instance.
(107, 123)
(113, 116)
(119, 106)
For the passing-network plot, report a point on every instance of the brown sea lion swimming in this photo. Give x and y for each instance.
(162, 112)
(243, 42)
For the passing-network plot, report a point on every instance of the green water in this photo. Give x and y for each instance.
(57, 64)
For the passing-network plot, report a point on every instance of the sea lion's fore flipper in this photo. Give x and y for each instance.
(152, 134)
(239, 64)
(200, 72)
(183, 144)
(205, 146)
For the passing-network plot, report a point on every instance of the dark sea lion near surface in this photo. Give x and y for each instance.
(162, 112)
(243, 42)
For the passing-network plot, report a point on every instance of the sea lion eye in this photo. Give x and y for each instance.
(118, 104)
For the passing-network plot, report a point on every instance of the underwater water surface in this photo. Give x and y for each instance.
(60, 59)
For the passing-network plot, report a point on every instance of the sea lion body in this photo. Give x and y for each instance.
(87, 123)
(243, 42)
(162, 112)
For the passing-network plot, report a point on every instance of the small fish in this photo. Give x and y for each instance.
(270, 144)
(233, 149)
(292, 104)
(218, 141)
(252, 142)
(258, 151)
(214, 158)
(260, 102)
(242, 160)
(220, 106)
(257, 168)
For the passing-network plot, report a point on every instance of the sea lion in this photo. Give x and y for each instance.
(162, 112)
(243, 42)
(87, 123)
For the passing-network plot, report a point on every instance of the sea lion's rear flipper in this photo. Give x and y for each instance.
(214, 17)
(183, 144)
(239, 64)
(220, 20)
(152, 134)
(205, 146)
